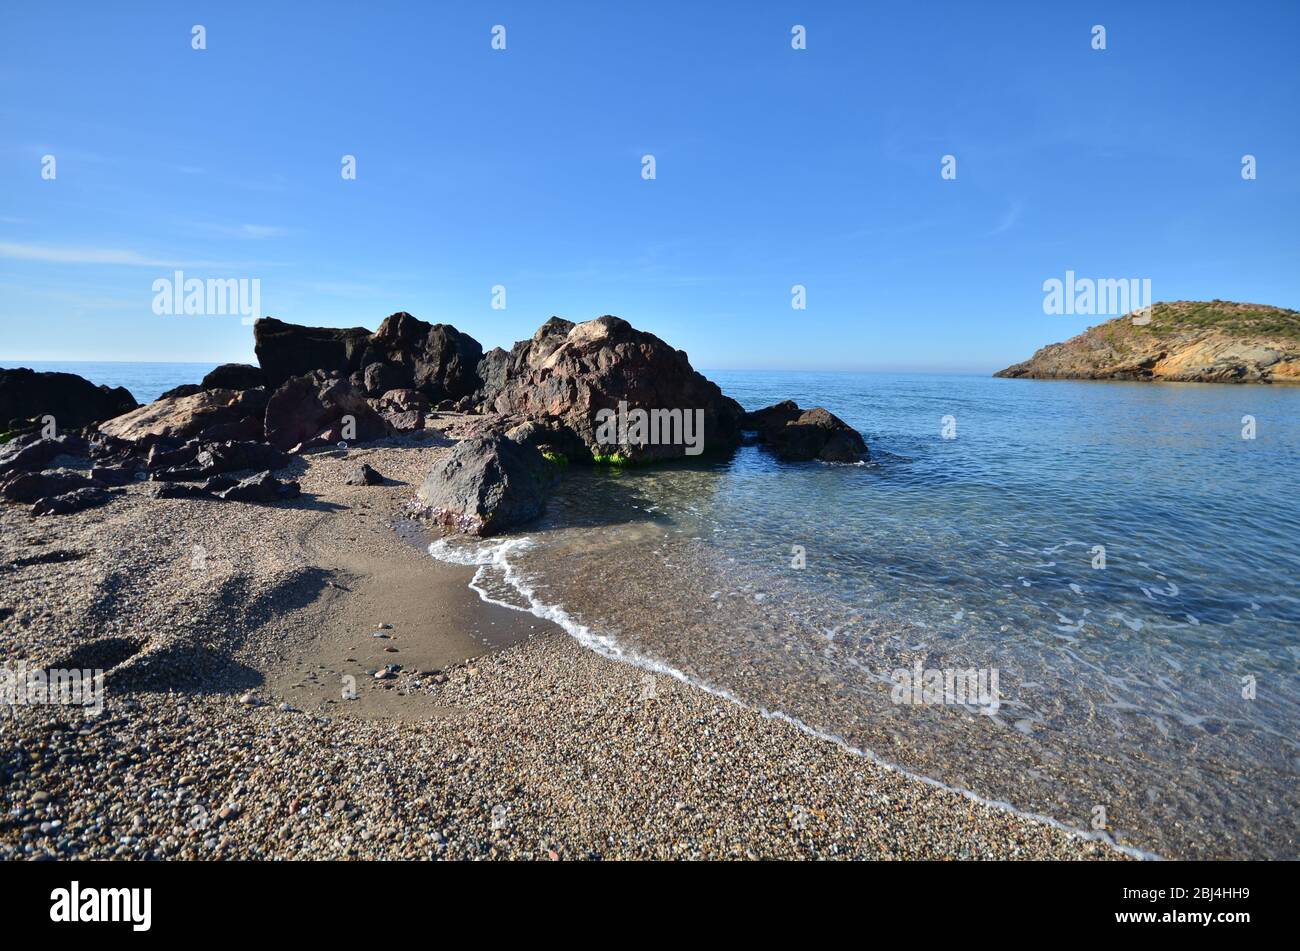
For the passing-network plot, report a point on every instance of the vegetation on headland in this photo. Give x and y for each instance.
(1225, 317)
(1213, 341)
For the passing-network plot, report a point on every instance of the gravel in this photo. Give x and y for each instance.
(541, 750)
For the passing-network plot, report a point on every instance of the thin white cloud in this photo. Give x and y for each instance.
(108, 256)
(1008, 220)
(246, 231)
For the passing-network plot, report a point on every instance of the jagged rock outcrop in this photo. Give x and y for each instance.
(800, 435)
(32, 453)
(198, 460)
(207, 415)
(1180, 341)
(486, 485)
(404, 353)
(404, 410)
(578, 374)
(29, 487)
(436, 359)
(310, 410)
(288, 350)
(262, 487)
(499, 366)
(73, 401)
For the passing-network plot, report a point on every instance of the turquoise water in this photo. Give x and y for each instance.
(1126, 705)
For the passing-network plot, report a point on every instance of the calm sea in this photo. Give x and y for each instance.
(144, 380)
(1121, 557)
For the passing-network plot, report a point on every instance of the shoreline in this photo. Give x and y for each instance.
(531, 746)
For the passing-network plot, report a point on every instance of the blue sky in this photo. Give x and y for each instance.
(522, 168)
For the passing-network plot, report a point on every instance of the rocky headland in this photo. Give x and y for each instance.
(548, 401)
(1178, 342)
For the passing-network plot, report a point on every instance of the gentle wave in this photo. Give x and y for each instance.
(493, 555)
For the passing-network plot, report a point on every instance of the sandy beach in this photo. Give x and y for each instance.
(229, 633)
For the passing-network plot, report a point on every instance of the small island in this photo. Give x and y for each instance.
(1178, 342)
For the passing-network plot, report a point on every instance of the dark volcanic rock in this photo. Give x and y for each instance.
(548, 435)
(74, 402)
(28, 454)
(571, 376)
(178, 490)
(73, 501)
(234, 376)
(262, 487)
(165, 454)
(379, 378)
(436, 359)
(289, 350)
(797, 435)
(231, 456)
(365, 475)
(31, 486)
(219, 483)
(185, 389)
(114, 475)
(486, 485)
(309, 411)
(493, 371)
(404, 410)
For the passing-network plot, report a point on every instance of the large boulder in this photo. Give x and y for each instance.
(309, 411)
(799, 435)
(493, 372)
(486, 485)
(209, 414)
(74, 402)
(581, 375)
(234, 376)
(288, 350)
(436, 359)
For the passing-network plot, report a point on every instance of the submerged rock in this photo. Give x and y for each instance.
(799, 435)
(486, 485)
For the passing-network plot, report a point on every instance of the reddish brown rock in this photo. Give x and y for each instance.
(314, 410)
